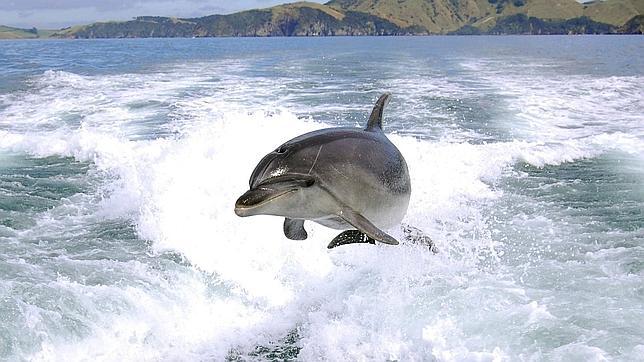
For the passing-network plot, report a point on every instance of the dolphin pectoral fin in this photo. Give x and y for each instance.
(350, 237)
(361, 223)
(294, 229)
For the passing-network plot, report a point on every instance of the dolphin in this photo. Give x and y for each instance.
(344, 178)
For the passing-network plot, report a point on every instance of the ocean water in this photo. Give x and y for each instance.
(121, 160)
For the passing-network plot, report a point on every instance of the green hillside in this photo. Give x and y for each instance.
(377, 17)
(298, 19)
(616, 12)
(435, 16)
(7, 32)
(441, 16)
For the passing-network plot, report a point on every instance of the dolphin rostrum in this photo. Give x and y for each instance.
(343, 178)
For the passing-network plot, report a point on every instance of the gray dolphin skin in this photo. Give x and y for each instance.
(344, 178)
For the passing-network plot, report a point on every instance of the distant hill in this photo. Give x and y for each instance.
(7, 32)
(297, 19)
(615, 12)
(445, 16)
(378, 17)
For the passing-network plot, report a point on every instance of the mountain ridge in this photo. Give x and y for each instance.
(377, 17)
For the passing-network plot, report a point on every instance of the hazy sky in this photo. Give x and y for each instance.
(61, 13)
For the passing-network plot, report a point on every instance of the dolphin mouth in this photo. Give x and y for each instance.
(269, 190)
(255, 198)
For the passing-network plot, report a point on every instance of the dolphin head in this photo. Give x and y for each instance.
(279, 184)
(274, 196)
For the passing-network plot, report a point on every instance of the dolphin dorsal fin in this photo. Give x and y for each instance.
(375, 120)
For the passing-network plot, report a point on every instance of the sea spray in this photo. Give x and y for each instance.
(119, 240)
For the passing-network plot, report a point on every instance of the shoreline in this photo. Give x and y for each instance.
(329, 36)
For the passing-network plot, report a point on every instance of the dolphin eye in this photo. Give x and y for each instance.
(281, 149)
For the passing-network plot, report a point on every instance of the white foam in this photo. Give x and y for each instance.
(169, 319)
(182, 191)
(562, 107)
(353, 303)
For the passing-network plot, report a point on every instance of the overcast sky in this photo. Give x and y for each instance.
(60, 13)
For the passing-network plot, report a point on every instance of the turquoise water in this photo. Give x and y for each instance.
(120, 161)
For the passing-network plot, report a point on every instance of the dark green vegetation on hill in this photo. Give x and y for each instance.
(7, 32)
(522, 24)
(382, 17)
(634, 26)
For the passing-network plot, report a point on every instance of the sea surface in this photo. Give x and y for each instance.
(121, 160)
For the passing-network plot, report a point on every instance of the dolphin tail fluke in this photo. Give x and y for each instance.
(375, 120)
(294, 229)
(361, 223)
(350, 237)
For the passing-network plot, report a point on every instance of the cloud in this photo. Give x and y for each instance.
(62, 13)
(79, 4)
(112, 5)
(61, 4)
